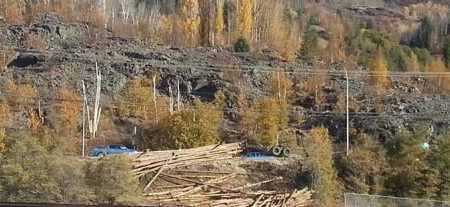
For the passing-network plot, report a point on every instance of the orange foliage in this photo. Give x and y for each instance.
(11, 11)
(412, 63)
(5, 115)
(68, 113)
(316, 80)
(33, 121)
(379, 70)
(2, 140)
(19, 95)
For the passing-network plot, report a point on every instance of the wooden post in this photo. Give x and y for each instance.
(154, 98)
(170, 100)
(178, 96)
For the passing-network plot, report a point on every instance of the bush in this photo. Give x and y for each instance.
(242, 45)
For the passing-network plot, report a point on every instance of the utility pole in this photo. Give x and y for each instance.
(348, 127)
(84, 122)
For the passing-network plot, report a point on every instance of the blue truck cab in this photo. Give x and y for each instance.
(256, 155)
(111, 150)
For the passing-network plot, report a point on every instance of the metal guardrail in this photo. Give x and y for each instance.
(364, 200)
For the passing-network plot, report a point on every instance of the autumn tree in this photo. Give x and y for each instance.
(218, 23)
(412, 63)
(247, 116)
(140, 92)
(68, 111)
(281, 85)
(11, 11)
(190, 127)
(378, 72)
(5, 115)
(245, 19)
(19, 96)
(191, 21)
(441, 84)
(319, 161)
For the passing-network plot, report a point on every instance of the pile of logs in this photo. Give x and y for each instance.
(169, 183)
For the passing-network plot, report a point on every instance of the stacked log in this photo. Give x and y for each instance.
(174, 185)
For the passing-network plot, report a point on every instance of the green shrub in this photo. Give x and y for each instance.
(242, 45)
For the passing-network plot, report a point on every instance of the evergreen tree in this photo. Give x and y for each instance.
(424, 35)
(440, 160)
(362, 169)
(446, 52)
(409, 174)
(308, 47)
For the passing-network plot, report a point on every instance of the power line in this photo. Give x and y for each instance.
(116, 105)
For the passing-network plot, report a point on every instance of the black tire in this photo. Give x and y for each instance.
(276, 151)
(286, 152)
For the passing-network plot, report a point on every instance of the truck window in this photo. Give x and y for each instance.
(114, 147)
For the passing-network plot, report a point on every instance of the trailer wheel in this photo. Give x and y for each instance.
(276, 151)
(286, 152)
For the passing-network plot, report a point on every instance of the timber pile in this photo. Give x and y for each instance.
(169, 183)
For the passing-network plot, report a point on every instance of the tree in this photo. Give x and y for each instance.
(379, 71)
(413, 63)
(2, 140)
(245, 19)
(440, 160)
(5, 115)
(188, 128)
(441, 84)
(424, 35)
(191, 21)
(319, 161)
(308, 47)
(30, 174)
(446, 52)
(242, 45)
(68, 112)
(409, 174)
(268, 121)
(20, 96)
(218, 22)
(111, 180)
(362, 170)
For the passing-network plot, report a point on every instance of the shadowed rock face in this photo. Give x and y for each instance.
(203, 71)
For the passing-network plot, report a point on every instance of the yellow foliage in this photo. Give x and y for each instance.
(140, 92)
(5, 57)
(247, 120)
(281, 84)
(313, 85)
(319, 151)
(187, 128)
(272, 117)
(218, 22)
(68, 108)
(379, 70)
(439, 84)
(5, 115)
(2, 140)
(19, 95)
(33, 121)
(191, 21)
(412, 63)
(245, 19)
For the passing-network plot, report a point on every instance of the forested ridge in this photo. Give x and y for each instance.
(188, 73)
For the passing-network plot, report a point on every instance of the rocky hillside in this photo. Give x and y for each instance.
(62, 53)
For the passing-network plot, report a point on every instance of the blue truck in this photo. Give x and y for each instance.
(111, 150)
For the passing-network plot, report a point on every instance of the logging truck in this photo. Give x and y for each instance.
(275, 151)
